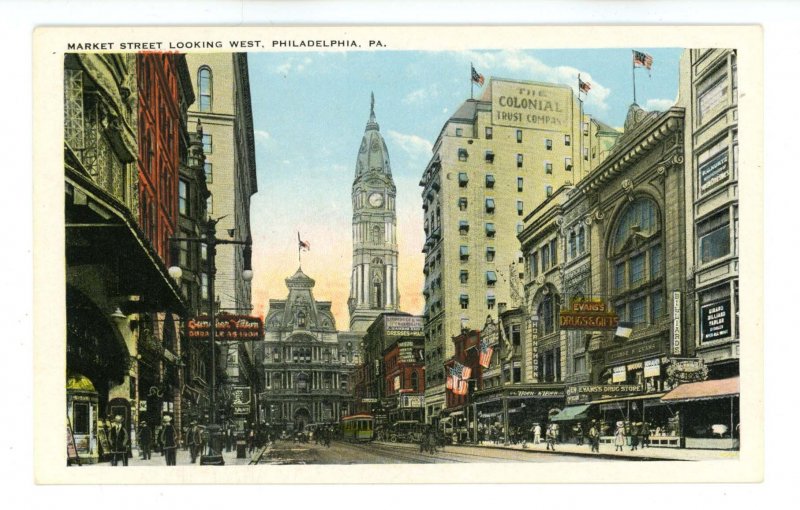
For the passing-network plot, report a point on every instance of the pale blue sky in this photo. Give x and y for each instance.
(310, 110)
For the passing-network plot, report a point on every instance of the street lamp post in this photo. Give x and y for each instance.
(214, 454)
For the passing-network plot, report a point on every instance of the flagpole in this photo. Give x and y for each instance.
(471, 82)
(580, 131)
(633, 72)
(299, 262)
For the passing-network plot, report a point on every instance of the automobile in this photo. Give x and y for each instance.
(406, 431)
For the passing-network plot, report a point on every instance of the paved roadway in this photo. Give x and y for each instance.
(285, 452)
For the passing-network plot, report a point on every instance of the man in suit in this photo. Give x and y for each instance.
(169, 440)
(145, 440)
(118, 438)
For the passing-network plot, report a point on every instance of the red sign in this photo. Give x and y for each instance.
(229, 327)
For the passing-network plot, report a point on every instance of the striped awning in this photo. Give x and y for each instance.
(705, 390)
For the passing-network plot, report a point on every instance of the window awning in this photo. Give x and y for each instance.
(644, 396)
(572, 413)
(705, 390)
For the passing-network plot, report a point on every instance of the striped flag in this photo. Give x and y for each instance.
(584, 86)
(303, 245)
(642, 59)
(462, 388)
(485, 358)
(477, 77)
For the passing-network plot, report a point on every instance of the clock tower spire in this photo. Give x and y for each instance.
(373, 280)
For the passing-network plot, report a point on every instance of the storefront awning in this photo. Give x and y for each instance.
(705, 390)
(572, 413)
(645, 396)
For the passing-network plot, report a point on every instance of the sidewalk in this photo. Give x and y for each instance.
(182, 458)
(607, 451)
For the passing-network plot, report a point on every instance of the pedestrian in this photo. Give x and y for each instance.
(619, 437)
(145, 440)
(634, 436)
(537, 433)
(579, 434)
(550, 437)
(169, 440)
(193, 439)
(645, 431)
(118, 438)
(251, 438)
(594, 437)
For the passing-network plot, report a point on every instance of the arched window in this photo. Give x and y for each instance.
(573, 245)
(581, 241)
(547, 310)
(204, 87)
(636, 264)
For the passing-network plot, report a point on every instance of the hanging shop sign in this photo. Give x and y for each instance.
(241, 409)
(369, 400)
(240, 395)
(412, 401)
(715, 320)
(676, 323)
(619, 374)
(685, 370)
(637, 350)
(652, 368)
(587, 313)
(229, 327)
(403, 325)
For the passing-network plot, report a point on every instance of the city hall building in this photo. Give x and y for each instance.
(495, 160)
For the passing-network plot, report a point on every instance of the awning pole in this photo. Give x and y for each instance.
(731, 422)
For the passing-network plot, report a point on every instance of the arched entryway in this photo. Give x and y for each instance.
(301, 418)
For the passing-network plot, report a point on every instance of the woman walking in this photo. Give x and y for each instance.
(619, 437)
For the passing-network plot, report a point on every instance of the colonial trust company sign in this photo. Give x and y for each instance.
(531, 105)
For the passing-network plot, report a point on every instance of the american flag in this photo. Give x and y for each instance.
(451, 378)
(584, 86)
(487, 350)
(462, 387)
(477, 77)
(303, 245)
(642, 59)
(464, 372)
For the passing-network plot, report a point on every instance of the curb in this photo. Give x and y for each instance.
(607, 456)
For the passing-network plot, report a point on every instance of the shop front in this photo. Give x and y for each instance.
(508, 414)
(83, 445)
(710, 411)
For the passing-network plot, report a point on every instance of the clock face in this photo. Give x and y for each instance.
(376, 200)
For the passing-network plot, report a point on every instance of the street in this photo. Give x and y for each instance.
(284, 452)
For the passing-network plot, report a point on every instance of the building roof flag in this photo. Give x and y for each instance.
(476, 76)
(584, 86)
(642, 59)
(303, 245)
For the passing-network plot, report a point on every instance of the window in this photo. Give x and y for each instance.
(488, 132)
(713, 97)
(547, 311)
(490, 231)
(519, 160)
(490, 302)
(636, 270)
(573, 245)
(207, 143)
(519, 136)
(464, 252)
(463, 227)
(548, 144)
(714, 236)
(463, 179)
(568, 164)
(516, 336)
(464, 301)
(183, 197)
(183, 253)
(204, 88)
(80, 417)
(519, 208)
(581, 240)
(203, 286)
(567, 140)
(464, 276)
(459, 131)
(490, 205)
(579, 364)
(462, 203)
(585, 128)
(548, 167)
(489, 157)
(490, 181)
(655, 262)
(586, 154)
(462, 154)
(548, 191)
(491, 278)
(210, 205)
(637, 309)
(209, 171)
(553, 252)
(545, 251)
(519, 183)
(656, 307)
(490, 254)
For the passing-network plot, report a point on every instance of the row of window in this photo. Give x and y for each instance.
(184, 203)
(463, 180)
(542, 259)
(489, 135)
(463, 155)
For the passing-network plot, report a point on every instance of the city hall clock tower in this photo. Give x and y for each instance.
(373, 281)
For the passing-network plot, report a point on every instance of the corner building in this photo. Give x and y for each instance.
(496, 159)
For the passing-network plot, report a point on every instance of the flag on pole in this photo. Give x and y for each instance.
(477, 77)
(584, 86)
(462, 388)
(303, 245)
(624, 330)
(485, 358)
(642, 59)
(450, 379)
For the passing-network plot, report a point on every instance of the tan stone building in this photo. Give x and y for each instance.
(495, 160)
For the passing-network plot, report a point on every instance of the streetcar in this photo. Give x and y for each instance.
(358, 427)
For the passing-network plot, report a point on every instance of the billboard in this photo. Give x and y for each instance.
(531, 105)
(406, 325)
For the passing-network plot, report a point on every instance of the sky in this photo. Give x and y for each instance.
(309, 114)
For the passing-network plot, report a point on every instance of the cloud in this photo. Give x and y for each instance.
(421, 95)
(518, 62)
(262, 135)
(294, 64)
(658, 104)
(415, 146)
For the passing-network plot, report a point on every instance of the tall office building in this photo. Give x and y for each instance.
(495, 160)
